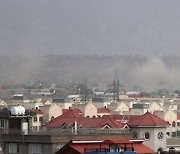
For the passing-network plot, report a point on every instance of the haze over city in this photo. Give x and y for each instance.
(139, 29)
(89, 76)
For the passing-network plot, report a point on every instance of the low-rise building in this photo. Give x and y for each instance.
(51, 111)
(152, 129)
(111, 146)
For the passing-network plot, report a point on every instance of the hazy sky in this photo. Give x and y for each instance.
(89, 27)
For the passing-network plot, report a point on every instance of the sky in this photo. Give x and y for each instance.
(90, 27)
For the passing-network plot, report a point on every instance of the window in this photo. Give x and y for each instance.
(64, 126)
(13, 147)
(35, 149)
(106, 126)
(2, 123)
(160, 135)
(173, 124)
(135, 135)
(35, 119)
(178, 123)
(147, 136)
(173, 134)
(41, 119)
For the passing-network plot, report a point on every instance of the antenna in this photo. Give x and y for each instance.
(116, 86)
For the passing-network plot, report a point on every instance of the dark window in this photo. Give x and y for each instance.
(173, 134)
(17, 147)
(160, 135)
(35, 119)
(2, 123)
(41, 119)
(64, 126)
(178, 123)
(173, 124)
(147, 135)
(135, 135)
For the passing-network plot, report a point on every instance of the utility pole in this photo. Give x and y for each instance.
(116, 86)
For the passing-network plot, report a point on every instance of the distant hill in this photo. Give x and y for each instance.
(134, 71)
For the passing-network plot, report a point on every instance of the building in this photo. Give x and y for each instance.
(51, 111)
(151, 128)
(37, 119)
(16, 123)
(87, 109)
(111, 146)
(138, 109)
(73, 126)
(171, 117)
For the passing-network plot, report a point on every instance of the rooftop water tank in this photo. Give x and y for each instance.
(17, 110)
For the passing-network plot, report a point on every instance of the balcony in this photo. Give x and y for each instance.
(109, 151)
(79, 131)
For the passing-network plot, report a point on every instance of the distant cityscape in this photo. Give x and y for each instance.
(46, 118)
(89, 77)
(135, 72)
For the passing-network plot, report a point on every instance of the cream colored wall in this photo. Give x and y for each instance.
(90, 110)
(45, 110)
(154, 107)
(52, 110)
(168, 116)
(55, 111)
(67, 105)
(38, 123)
(153, 142)
(122, 107)
(171, 116)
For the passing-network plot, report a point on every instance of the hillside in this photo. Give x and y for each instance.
(134, 71)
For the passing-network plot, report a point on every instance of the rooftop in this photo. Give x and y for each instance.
(148, 120)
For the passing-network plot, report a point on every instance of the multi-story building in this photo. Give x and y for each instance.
(71, 125)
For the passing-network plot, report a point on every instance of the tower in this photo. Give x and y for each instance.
(116, 87)
(152, 129)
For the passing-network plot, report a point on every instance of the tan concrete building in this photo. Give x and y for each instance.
(87, 109)
(51, 111)
(154, 106)
(171, 117)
